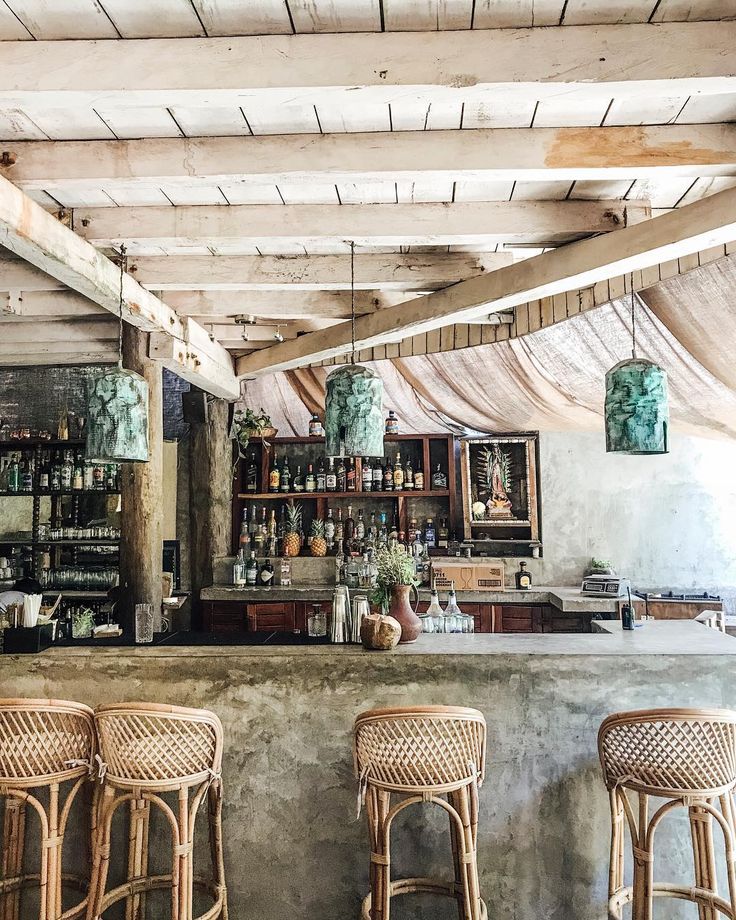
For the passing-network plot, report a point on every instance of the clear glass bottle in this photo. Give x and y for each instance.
(331, 477)
(439, 478)
(366, 475)
(435, 611)
(285, 571)
(330, 529)
(239, 578)
(453, 615)
(251, 570)
(317, 622)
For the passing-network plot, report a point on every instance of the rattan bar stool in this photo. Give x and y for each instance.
(46, 752)
(148, 750)
(688, 758)
(420, 754)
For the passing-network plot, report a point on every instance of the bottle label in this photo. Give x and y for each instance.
(419, 482)
(266, 576)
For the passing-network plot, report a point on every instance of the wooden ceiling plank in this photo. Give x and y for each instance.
(51, 20)
(421, 15)
(39, 238)
(606, 61)
(515, 14)
(698, 226)
(415, 224)
(335, 15)
(490, 155)
(286, 305)
(233, 17)
(162, 19)
(300, 273)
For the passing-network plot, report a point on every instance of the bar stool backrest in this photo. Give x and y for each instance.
(43, 741)
(159, 746)
(419, 748)
(670, 751)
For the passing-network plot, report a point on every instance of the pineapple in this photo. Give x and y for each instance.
(318, 545)
(293, 535)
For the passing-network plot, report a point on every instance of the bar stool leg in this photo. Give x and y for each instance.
(701, 830)
(457, 865)
(101, 852)
(727, 809)
(377, 806)
(135, 906)
(214, 795)
(14, 836)
(616, 864)
(466, 856)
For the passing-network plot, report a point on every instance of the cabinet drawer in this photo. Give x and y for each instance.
(271, 616)
(518, 618)
(223, 616)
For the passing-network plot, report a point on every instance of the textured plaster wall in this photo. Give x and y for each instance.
(293, 846)
(667, 521)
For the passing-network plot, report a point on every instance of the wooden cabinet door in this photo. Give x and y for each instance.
(518, 618)
(224, 617)
(555, 621)
(274, 615)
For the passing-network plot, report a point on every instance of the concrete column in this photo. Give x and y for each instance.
(141, 555)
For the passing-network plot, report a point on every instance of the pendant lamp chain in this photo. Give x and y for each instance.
(352, 297)
(633, 318)
(123, 268)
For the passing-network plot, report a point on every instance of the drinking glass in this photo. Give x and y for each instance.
(143, 623)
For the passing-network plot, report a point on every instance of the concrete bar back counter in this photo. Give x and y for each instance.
(290, 796)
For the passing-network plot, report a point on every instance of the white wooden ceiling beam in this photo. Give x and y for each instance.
(689, 229)
(48, 304)
(394, 272)
(503, 154)
(281, 305)
(603, 61)
(39, 238)
(466, 223)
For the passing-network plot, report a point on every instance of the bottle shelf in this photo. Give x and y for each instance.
(37, 494)
(285, 496)
(54, 443)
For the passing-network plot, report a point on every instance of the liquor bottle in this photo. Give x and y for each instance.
(251, 570)
(55, 479)
(298, 484)
(523, 578)
(321, 476)
(372, 534)
(330, 530)
(419, 480)
(239, 570)
(244, 534)
(44, 478)
(251, 475)
(392, 423)
(89, 476)
(388, 476)
(110, 477)
(434, 611)
(439, 478)
(430, 534)
(252, 523)
(393, 534)
(409, 476)
(98, 477)
(377, 476)
(259, 539)
(274, 475)
(78, 477)
(285, 571)
(339, 528)
(350, 475)
(366, 476)
(443, 534)
(272, 538)
(331, 477)
(310, 483)
(383, 530)
(398, 474)
(285, 479)
(360, 527)
(67, 472)
(315, 426)
(341, 476)
(26, 477)
(452, 615)
(265, 576)
(413, 531)
(349, 531)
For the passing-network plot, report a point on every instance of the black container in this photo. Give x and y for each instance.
(27, 640)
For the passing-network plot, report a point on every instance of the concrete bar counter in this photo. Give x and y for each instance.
(290, 797)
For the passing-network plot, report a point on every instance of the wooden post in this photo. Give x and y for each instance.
(210, 495)
(141, 556)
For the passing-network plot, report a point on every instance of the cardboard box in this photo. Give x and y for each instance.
(469, 575)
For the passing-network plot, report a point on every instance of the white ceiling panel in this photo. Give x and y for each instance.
(244, 17)
(308, 193)
(516, 14)
(55, 19)
(593, 12)
(662, 193)
(183, 195)
(153, 121)
(367, 192)
(690, 10)
(600, 189)
(478, 190)
(137, 195)
(498, 112)
(570, 113)
(80, 198)
(282, 119)
(247, 193)
(17, 126)
(162, 19)
(704, 187)
(11, 28)
(699, 109)
(644, 110)
(339, 119)
(336, 15)
(207, 122)
(72, 124)
(427, 15)
(424, 190)
(420, 115)
(541, 191)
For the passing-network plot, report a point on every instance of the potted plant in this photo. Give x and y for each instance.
(247, 424)
(396, 581)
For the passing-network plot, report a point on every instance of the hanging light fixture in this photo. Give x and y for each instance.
(353, 401)
(117, 406)
(637, 403)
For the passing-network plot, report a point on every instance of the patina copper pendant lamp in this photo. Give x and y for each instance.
(637, 403)
(117, 411)
(353, 402)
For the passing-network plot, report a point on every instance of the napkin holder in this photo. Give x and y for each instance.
(27, 640)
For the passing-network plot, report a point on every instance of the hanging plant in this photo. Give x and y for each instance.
(248, 424)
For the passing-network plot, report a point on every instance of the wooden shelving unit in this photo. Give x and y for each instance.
(425, 450)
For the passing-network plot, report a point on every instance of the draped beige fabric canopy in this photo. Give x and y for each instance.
(554, 379)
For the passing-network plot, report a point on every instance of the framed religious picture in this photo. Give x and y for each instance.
(500, 490)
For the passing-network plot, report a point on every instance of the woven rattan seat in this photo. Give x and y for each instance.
(688, 758)
(148, 750)
(423, 754)
(46, 751)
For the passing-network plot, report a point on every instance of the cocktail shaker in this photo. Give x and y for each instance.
(340, 621)
(361, 608)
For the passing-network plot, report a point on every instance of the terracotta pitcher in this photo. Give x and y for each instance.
(402, 610)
